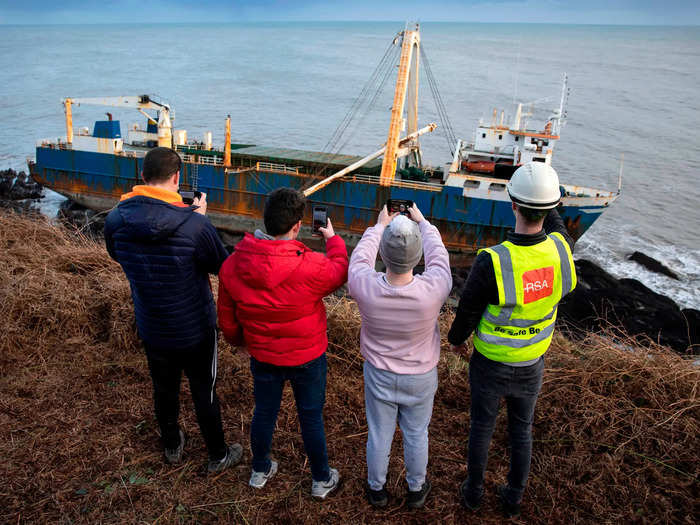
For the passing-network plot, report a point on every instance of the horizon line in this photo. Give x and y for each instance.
(49, 24)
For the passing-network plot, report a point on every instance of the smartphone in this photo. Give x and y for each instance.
(399, 205)
(320, 219)
(188, 197)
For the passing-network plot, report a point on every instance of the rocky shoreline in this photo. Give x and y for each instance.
(19, 192)
(600, 302)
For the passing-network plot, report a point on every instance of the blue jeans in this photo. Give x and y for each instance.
(408, 398)
(489, 381)
(309, 387)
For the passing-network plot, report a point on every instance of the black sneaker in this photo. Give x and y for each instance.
(377, 498)
(233, 456)
(510, 510)
(467, 500)
(415, 499)
(174, 455)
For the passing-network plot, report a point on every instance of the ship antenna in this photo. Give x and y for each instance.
(561, 117)
(619, 178)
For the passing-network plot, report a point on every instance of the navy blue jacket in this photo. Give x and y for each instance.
(167, 253)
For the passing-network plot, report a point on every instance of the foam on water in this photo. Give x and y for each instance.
(50, 203)
(613, 258)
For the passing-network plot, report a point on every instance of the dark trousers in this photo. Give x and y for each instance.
(199, 365)
(309, 387)
(490, 381)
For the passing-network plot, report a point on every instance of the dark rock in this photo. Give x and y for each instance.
(18, 186)
(87, 221)
(692, 320)
(653, 265)
(600, 301)
(230, 239)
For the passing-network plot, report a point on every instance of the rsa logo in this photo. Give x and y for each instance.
(538, 284)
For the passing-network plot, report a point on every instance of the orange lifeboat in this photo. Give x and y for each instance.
(479, 166)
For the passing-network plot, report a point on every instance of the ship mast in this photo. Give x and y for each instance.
(407, 79)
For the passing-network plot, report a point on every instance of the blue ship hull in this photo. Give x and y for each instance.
(236, 198)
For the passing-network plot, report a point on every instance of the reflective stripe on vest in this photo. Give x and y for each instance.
(518, 329)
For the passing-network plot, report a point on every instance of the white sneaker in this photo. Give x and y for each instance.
(258, 479)
(321, 489)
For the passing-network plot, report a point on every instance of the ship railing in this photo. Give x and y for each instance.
(202, 159)
(211, 161)
(409, 184)
(277, 168)
(49, 143)
(193, 145)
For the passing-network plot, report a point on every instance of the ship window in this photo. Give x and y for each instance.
(538, 159)
(516, 139)
(500, 137)
(472, 183)
(483, 135)
(495, 186)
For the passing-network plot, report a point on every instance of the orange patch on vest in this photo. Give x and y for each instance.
(538, 284)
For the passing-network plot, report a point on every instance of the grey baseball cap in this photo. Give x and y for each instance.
(401, 246)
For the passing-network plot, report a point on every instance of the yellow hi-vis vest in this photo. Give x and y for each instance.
(531, 282)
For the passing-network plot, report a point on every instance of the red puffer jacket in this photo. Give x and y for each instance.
(270, 297)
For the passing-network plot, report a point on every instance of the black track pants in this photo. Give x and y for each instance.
(199, 364)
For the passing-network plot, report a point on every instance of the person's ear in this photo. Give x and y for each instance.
(175, 180)
(295, 229)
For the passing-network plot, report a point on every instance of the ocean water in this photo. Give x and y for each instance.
(633, 91)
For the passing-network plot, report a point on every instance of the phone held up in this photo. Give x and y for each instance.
(188, 197)
(320, 220)
(399, 205)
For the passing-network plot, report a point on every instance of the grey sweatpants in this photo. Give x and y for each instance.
(408, 398)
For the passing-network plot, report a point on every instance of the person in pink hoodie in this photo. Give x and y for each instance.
(400, 341)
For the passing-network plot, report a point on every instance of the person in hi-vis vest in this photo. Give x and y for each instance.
(510, 302)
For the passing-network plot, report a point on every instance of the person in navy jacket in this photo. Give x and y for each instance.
(167, 250)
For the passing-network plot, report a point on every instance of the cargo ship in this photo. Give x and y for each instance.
(465, 198)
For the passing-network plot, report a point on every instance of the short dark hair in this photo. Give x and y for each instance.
(284, 207)
(532, 215)
(160, 164)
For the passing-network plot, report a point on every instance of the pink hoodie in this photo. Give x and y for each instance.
(399, 323)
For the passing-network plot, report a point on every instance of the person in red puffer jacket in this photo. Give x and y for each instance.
(271, 293)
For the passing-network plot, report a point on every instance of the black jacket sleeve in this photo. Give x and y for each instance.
(554, 223)
(211, 252)
(480, 290)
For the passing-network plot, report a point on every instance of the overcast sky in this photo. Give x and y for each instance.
(624, 12)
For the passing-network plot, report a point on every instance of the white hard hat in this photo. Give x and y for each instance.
(535, 185)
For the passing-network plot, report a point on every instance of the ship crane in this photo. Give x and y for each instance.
(405, 101)
(138, 102)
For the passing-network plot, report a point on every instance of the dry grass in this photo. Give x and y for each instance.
(616, 434)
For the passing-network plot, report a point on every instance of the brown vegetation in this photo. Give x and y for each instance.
(616, 433)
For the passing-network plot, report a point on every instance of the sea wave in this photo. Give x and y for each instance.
(613, 257)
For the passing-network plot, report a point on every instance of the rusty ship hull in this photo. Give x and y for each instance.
(468, 218)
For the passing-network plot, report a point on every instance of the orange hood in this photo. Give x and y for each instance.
(154, 192)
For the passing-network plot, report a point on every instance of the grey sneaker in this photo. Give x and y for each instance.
(174, 455)
(233, 456)
(321, 489)
(258, 479)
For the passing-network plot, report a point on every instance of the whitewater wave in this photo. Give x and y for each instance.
(50, 203)
(613, 257)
